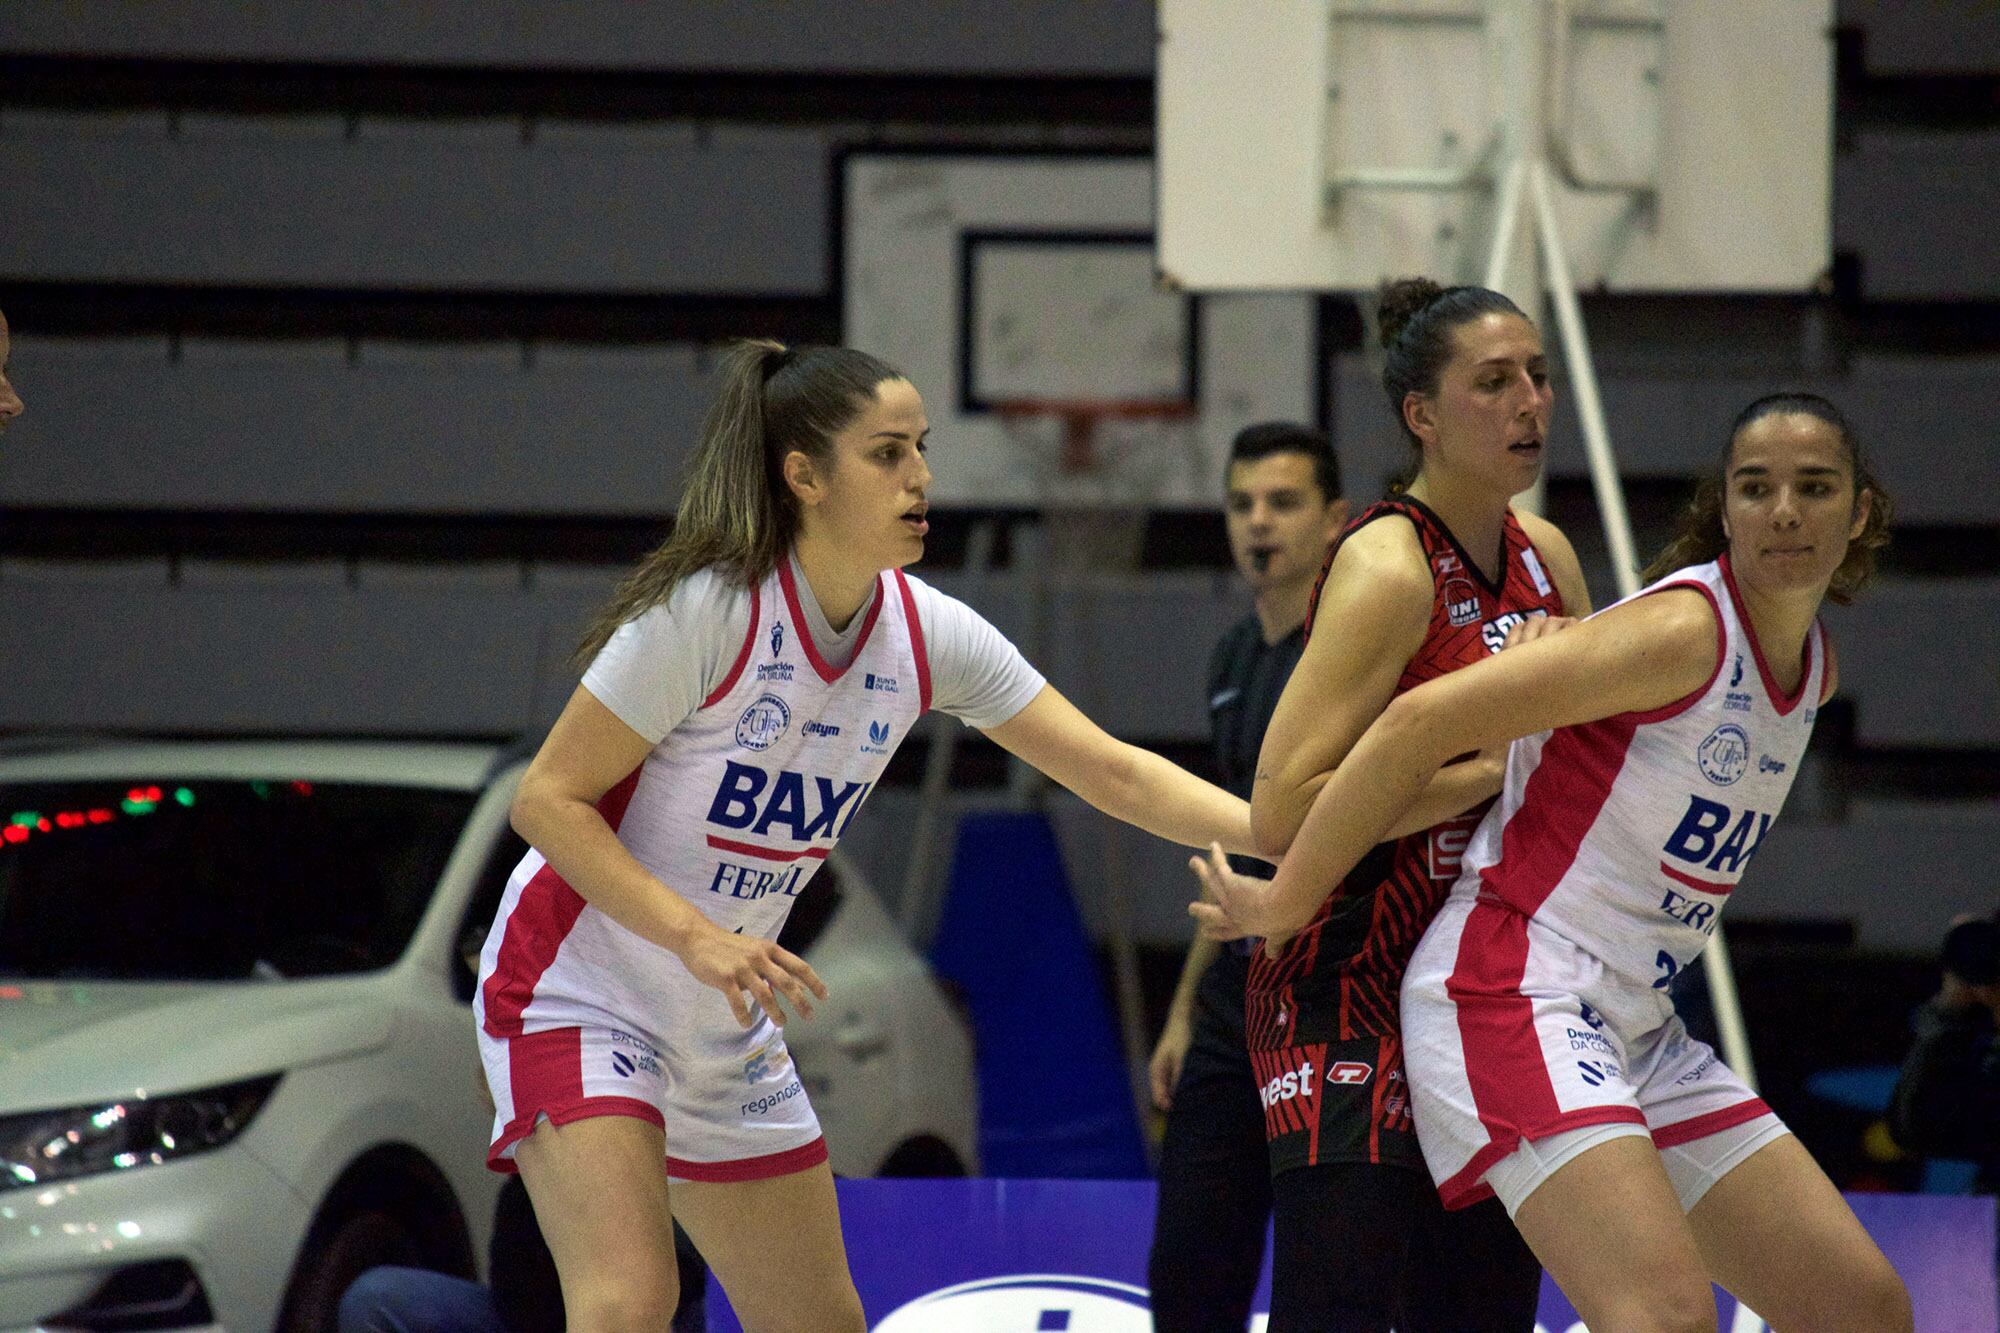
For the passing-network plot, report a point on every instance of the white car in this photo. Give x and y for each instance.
(236, 1050)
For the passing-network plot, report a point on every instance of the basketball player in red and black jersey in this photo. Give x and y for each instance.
(1434, 578)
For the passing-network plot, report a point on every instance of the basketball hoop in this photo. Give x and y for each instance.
(1080, 418)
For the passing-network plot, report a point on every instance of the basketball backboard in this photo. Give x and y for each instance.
(996, 277)
(1722, 108)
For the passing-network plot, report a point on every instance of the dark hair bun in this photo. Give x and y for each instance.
(1402, 300)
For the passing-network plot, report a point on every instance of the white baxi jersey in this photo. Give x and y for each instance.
(1627, 835)
(734, 810)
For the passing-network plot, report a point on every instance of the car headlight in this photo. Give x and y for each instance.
(37, 1147)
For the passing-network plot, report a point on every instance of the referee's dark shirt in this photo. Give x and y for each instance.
(1245, 678)
(1245, 681)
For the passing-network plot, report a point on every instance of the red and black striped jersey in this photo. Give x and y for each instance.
(1338, 978)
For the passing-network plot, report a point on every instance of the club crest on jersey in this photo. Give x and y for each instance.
(1725, 755)
(763, 722)
(1461, 603)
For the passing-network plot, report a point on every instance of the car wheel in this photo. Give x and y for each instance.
(924, 1156)
(332, 1257)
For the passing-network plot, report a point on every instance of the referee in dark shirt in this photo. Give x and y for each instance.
(1284, 509)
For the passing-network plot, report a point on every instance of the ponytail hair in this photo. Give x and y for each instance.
(1701, 538)
(1416, 318)
(736, 511)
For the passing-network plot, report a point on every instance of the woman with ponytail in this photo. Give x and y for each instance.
(1651, 748)
(1440, 575)
(743, 693)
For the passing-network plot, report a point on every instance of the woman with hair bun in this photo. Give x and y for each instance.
(1438, 576)
(746, 686)
(1651, 748)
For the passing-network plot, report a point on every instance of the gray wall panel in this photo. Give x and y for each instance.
(1934, 37)
(1928, 425)
(300, 426)
(285, 208)
(1106, 37)
(1917, 206)
(1918, 660)
(260, 656)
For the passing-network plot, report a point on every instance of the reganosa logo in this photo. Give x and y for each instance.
(1026, 1301)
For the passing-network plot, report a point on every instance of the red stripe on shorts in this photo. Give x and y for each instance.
(788, 1162)
(1701, 1126)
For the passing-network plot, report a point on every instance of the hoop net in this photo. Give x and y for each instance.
(1094, 479)
(1080, 419)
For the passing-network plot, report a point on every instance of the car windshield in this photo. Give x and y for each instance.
(161, 878)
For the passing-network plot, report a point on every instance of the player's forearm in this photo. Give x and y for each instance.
(1452, 791)
(1362, 800)
(581, 847)
(1166, 800)
(1278, 807)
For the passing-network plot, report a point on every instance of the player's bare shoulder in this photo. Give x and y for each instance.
(1386, 556)
(1378, 590)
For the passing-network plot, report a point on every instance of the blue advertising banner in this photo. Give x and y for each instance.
(1034, 1256)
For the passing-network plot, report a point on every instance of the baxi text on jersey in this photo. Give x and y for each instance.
(1699, 838)
(801, 806)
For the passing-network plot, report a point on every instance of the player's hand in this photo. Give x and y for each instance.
(1535, 627)
(1232, 905)
(1164, 1070)
(743, 965)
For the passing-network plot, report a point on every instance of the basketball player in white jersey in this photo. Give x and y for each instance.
(746, 688)
(1652, 746)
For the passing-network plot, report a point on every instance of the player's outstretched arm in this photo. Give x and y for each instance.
(1123, 780)
(1639, 656)
(589, 751)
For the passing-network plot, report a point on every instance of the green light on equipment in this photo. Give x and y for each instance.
(27, 818)
(184, 796)
(261, 788)
(132, 807)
